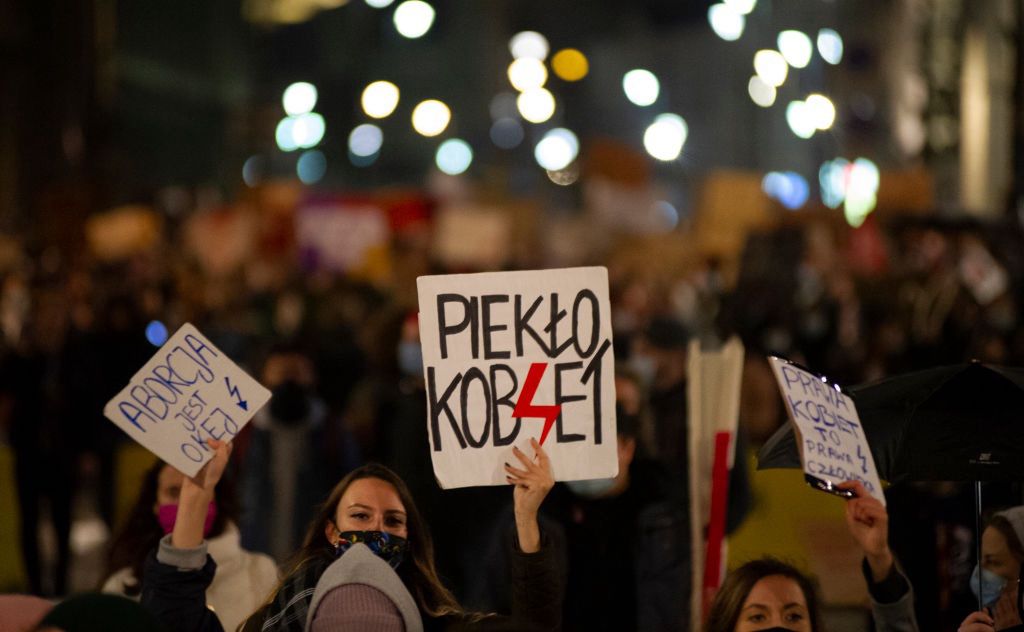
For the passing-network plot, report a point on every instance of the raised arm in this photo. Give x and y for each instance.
(532, 485)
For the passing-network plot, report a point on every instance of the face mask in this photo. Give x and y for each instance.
(289, 402)
(994, 585)
(410, 358)
(593, 488)
(167, 514)
(388, 547)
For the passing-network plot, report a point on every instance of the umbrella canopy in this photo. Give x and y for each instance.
(961, 422)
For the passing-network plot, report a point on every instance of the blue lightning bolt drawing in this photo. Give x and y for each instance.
(233, 392)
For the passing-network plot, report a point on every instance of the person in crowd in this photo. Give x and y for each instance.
(997, 578)
(243, 579)
(97, 612)
(768, 594)
(285, 464)
(370, 506)
(626, 543)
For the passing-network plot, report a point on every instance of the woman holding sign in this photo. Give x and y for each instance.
(372, 507)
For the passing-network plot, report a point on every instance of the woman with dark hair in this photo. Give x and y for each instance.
(372, 508)
(996, 579)
(765, 594)
(243, 579)
(769, 595)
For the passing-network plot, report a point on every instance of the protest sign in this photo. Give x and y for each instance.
(187, 393)
(833, 447)
(514, 356)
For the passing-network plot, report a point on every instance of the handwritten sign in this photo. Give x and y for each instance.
(832, 443)
(510, 356)
(188, 392)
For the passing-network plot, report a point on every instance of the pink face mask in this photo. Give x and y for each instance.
(167, 514)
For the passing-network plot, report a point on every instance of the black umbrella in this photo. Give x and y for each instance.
(952, 423)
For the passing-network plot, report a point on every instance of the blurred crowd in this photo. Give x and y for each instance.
(340, 352)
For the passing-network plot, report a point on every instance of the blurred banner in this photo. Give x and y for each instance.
(714, 410)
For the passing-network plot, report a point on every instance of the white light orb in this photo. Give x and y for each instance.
(526, 73)
(454, 156)
(641, 87)
(821, 110)
(796, 48)
(379, 4)
(299, 98)
(380, 99)
(557, 149)
(284, 134)
(726, 22)
(800, 119)
(760, 92)
(308, 130)
(771, 67)
(413, 18)
(536, 105)
(830, 46)
(743, 7)
(665, 137)
(431, 117)
(365, 140)
(528, 44)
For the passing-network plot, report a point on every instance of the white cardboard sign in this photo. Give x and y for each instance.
(514, 356)
(831, 440)
(188, 392)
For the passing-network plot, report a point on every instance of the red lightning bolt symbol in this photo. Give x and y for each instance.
(526, 408)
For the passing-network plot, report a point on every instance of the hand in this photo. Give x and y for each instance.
(207, 478)
(1004, 611)
(868, 522)
(195, 497)
(977, 622)
(531, 487)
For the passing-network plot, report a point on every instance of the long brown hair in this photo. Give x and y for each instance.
(417, 572)
(725, 610)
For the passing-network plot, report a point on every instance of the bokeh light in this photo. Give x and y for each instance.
(284, 136)
(308, 130)
(379, 4)
(380, 99)
(570, 64)
(528, 44)
(760, 92)
(743, 7)
(830, 46)
(536, 105)
(665, 137)
(299, 98)
(788, 187)
(668, 212)
(565, 177)
(821, 111)
(800, 119)
(507, 133)
(726, 22)
(365, 140)
(254, 170)
(796, 48)
(454, 156)
(557, 149)
(852, 185)
(413, 18)
(641, 87)
(156, 333)
(771, 67)
(311, 167)
(527, 73)
(431, 117)
(503, 105)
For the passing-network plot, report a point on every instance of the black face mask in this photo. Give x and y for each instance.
(290, 402)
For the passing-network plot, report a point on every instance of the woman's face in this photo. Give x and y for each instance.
(369, 504)
(168, 487)
(996, 555)
(775, 601)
